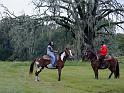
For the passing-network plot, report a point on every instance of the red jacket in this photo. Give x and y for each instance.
(103, 50)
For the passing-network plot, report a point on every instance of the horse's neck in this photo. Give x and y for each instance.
(63, 56)
(93, 57)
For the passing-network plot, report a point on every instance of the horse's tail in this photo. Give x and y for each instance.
(117, 70)
(31, 67)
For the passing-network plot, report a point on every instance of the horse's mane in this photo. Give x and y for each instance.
(60, 53)
(93, 52)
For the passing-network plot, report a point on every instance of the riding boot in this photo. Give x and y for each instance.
(102, 61)
(102, 64)
(50, 66)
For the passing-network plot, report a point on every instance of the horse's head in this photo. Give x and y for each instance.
(89, 54)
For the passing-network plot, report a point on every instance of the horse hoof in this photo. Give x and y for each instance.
(36, 80)
(96, 78)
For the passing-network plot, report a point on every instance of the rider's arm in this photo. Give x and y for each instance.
(51, 49)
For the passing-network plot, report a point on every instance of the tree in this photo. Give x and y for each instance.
(120, 41)
(23, 37)
(81, 17)
(5, 45)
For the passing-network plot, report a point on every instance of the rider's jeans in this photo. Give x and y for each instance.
(52, 55)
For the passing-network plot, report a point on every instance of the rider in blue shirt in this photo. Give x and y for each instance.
(51, 53)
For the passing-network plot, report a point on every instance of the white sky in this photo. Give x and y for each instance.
(121, 1)
(19, 7)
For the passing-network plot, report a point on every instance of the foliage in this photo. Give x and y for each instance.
(120, 41)
(5, 45)
(110, 40)
(69, 23)
(83, 18)
(24, 38)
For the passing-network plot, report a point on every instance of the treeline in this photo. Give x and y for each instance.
(120, 42)
(24, 38)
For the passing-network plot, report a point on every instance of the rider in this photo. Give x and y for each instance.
(103, 53)
(51, 53)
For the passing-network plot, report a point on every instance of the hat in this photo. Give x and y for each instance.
(51, 43)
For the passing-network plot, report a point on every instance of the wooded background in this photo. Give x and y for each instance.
(76, 24)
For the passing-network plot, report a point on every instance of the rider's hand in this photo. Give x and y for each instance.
(55, 51)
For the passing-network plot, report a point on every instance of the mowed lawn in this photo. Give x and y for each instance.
(77, 77)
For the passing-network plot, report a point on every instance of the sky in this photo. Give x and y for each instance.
(19, 7)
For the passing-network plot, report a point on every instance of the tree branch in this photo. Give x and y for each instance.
(111, 23)
(107, 12)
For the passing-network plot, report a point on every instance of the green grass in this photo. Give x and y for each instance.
(77, 77)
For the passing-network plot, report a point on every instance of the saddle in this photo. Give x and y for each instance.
(108, 58)
(46, 57)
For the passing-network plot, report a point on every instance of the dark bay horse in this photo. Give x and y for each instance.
(43, 61)
(111, 63)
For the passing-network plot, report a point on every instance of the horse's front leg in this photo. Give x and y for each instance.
(59, 73)
(95, 72)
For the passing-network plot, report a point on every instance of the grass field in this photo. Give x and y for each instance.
(77, 77)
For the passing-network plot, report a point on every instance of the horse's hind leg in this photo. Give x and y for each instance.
(38, 70)
(110, 75)
(115, 74)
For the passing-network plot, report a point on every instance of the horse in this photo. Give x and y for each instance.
(43, 61)
(111, 63)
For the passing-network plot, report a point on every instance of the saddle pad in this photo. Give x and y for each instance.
(46, 57)
(108, 58)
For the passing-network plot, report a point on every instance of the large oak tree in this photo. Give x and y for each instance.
(84, 18)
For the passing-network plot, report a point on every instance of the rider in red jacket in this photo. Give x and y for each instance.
(103, 52)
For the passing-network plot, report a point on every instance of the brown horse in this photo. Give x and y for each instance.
(111, 63)
(43, 61)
